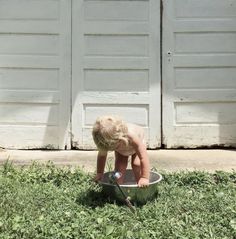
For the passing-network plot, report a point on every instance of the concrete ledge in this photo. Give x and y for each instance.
(163, 160)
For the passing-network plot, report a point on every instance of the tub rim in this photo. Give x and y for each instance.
(132, 185)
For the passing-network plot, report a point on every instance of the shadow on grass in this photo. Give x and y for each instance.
(93, 199)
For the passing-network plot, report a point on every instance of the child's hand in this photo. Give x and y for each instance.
(98, 177)
(143, 182)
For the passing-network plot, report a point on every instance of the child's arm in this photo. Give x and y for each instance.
(101, 161)
(141, 151)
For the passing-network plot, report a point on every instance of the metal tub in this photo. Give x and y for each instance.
(130, 187)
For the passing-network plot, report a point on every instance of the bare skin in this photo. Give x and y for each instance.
(139, 158)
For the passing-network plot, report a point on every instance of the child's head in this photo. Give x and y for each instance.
(108, 131)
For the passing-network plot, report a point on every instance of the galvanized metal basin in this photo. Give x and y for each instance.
(130, 187)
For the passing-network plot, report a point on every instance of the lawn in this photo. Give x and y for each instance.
(43, 201)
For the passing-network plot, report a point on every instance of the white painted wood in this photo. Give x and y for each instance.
(115, 66)
(29, 96)
(209, 60)
(204, 9)
(25, 44)
(28, 136)
(194, 25)
(112, 63)
(30, 26)
(205, 113)
(35, 73)
(199, 62)
(116, 27)
(65, 74)
(116, 97)
(116, 10)
(34, 9)
(28, 61)
(126, 80)
(205, 42)
(29, 78)
(194, 78)
(110, 45)
(34, 114)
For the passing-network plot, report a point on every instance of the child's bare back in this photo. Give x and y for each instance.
(133, 131)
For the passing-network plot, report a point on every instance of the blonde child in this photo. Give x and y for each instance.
(110, 133)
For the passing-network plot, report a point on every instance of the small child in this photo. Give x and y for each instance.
(110, 133)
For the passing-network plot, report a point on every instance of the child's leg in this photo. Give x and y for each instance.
(121, 163)
(136, 166)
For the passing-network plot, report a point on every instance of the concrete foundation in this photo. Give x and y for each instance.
(162, 160)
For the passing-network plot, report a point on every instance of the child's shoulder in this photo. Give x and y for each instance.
(132, 126)
(135, 130)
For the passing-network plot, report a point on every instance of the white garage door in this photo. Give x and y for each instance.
(34, 73)
(199, 73)
(115, 65)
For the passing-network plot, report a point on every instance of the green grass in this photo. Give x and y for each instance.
(50, 202)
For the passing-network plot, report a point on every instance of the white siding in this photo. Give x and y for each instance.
(34, 73)
(199, 73)
(116, 70)
(115, 65)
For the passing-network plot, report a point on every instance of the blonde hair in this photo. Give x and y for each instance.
(108, 131)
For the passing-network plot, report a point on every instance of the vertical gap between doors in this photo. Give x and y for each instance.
(161, 73)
